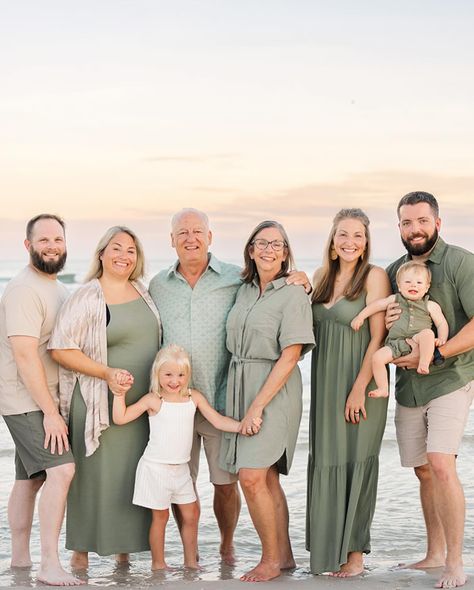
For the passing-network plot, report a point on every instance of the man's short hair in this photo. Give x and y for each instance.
(189, 211)
(419, 197)
(30, 226)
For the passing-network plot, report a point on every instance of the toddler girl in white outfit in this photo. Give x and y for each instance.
(163, 476)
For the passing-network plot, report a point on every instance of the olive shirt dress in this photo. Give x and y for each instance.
(259, 327)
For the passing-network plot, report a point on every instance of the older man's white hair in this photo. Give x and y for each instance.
(189, 211)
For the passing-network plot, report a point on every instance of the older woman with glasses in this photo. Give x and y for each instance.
(268, 329)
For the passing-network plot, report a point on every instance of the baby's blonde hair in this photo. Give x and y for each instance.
(416, 266)
(170, 354)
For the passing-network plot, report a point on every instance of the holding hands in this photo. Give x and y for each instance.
(118, 380)
(250, 425)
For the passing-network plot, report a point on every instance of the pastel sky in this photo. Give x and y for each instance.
(121, 111)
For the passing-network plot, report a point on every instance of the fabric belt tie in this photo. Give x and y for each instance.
(237, 365)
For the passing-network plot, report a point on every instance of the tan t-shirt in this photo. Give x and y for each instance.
(28, 307)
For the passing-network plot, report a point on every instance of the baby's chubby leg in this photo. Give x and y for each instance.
(380, 360)
(426, 341)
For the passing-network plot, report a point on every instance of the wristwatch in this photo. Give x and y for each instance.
(438, 358)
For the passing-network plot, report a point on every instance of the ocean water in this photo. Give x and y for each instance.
(397, 531)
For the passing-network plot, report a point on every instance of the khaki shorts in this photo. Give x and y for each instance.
(211, 438)
(436, 427)
(31, 458)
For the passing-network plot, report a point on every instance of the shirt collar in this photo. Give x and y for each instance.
(276, 283)
(436, 253)
(213, 263)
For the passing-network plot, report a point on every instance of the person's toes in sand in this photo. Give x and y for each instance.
(353, 567)
(452, 577)
(262, 572)
(57, 576)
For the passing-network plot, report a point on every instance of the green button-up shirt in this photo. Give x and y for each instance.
(195, 318)
(452, 287)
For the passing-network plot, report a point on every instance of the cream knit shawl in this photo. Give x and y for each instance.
(81, 325)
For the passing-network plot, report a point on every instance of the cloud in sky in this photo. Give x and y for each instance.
(306, 211)
(191, 159)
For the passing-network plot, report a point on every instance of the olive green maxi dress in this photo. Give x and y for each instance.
(100, 513)
(259, 327)
(343, 457)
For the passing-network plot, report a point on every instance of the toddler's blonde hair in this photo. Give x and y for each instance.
(170, 354)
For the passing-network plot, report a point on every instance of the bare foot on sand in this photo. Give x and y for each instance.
(424, 564)
(228, 555)
(122, 558)
(288, 564)
(80, 560)
(57, 576)
(452, 577)
(353, 567)
(262, 572)
(159, 565)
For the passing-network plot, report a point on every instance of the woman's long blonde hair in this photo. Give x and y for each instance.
(174, 354)
(325, 280)
(96, 269)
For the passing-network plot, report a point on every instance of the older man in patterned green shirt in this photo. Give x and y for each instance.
(194, 297)
(432, 410)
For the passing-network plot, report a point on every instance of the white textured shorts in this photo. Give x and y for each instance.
(158, 485)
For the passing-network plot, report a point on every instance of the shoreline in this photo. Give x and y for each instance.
(374, 578)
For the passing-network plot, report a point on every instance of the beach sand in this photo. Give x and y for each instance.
(387, 579)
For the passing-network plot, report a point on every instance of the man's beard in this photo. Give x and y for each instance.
(50, 267)
(422, 248)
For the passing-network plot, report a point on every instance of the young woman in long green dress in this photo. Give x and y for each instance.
(346, 427)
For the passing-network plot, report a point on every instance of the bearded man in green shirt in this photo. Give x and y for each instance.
(432, 410)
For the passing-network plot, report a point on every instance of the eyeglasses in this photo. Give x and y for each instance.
(277, 245)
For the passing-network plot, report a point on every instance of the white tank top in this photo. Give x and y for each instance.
(171, 433)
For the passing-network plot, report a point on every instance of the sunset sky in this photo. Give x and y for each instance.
(116, 111)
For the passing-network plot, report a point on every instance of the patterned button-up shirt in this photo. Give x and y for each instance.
(195, 318)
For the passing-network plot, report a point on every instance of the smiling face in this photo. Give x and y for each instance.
(349, 241)
(191, 238)
(413, 284)
(173, 378)
(268, 261)
(47, 246)
(418, 228)
(119, 257)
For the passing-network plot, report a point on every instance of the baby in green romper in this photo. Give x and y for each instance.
(418, 315)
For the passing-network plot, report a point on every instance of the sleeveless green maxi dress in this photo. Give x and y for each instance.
(343, 457)
(100, 513)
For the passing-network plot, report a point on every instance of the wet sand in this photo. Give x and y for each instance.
(387, 579)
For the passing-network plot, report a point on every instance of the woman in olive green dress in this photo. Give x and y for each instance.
(346, 427)
(268, 329)
(109, 322)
